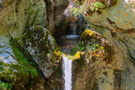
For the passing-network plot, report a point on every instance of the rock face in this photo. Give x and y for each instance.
(42, 48)
(55, 10)
(103, 64)
(15, 17)
(114, 71)
(122, 14)
(40, 45)
(15, 70)
(119, 22)
(18, 15)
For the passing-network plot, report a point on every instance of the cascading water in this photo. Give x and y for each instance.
(67, 70)
(67, 63)
(72, 35)
(73, 30)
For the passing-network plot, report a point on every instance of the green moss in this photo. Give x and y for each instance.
(74, 50)
(77, 56)
(23, 61)
(13, 73)
(88, 34)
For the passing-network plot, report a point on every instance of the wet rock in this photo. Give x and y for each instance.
(81, 24)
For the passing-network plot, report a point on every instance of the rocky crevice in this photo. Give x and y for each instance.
(55, 16)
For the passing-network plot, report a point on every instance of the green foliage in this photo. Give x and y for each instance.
(82, 48)
(77, 10)
(93, 47)
(96, 6)
(74, 50)
(94, 27)
(23, 61)
(84, 6)
(13, 72)
(33, 72)
(79, 46)
(5, 86)
(102, 29)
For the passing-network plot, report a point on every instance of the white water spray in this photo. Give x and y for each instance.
(67, 70)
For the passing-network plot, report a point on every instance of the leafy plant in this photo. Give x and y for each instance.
(96, 6)
(33, 72)
(84, 6)
(24, 61)
(82, 48)
(74, 49)
(77, 10)
(5, 86)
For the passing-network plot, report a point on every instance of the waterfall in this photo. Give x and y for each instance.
(67, 72)
(73, 30)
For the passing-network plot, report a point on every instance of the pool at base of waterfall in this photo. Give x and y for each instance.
(67, 43)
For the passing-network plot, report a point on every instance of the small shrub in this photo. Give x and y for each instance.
(84, 6)
(96, 6)
(5, 86)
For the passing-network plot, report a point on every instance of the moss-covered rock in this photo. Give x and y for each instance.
(16, 72)
(77, 56)
(93, 49)
(40, 46)
(88, 34)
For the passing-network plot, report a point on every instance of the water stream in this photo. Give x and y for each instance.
(67, 70)
(67, 42)
(73, 30)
